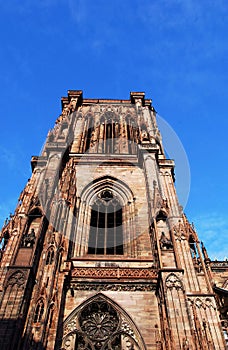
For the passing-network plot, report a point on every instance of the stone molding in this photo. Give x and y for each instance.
(114, 272)
(134, 287)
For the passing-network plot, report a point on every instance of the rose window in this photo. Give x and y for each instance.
(99, 320)
(101, 328)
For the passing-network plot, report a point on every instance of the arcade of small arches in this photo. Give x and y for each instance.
(112, 134)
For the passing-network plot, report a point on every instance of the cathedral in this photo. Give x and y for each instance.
(98, 254)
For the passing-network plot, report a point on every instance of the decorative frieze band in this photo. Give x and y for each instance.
(219, 264)
(114, 272)
(114, 287)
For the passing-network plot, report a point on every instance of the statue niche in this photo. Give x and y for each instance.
(25, 252)
(163, 231)
(28, 239)
(165, 242)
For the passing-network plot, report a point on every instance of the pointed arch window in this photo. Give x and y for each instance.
(192, 245)
(50, 315)
(106, 235)
(132, 134)
(50, 256)
(109, 133)
(4, 240)
(89, 133)
(39, 311)
(60, 259)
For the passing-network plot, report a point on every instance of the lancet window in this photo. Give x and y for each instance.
(39, 311)
(4, 240)
(106, 236)
(195, 254)
(132, 134)
(192, 245)
(108, 136)
(89, 133)
(50, 256)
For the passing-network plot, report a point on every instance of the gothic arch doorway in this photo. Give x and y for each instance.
(101, 324)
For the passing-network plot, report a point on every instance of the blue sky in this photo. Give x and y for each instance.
(174, 50)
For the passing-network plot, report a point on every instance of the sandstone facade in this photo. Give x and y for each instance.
(98, 254)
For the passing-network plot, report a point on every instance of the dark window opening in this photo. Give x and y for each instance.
(106, 234)
(50, 257)
(4, 241)
(192, 245)
(89, 138)
(39, 311)
(161, 216)
(109, 138)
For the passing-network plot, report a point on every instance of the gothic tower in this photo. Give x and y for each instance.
(98, 254)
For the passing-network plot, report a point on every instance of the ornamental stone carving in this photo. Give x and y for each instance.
(180, 232)
(71, 327)
(172, 281)
(225, 285)
(202, 303)
(125, 327)
(28, 239)
(114, 287)
(165, 242)
(17, 278)
(114, 272)
(99, 321)
(100, 326)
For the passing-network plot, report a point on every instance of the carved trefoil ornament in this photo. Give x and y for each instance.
(172, 281)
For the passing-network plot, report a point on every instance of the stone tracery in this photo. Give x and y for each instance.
(173, 281)
(100, 326)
